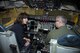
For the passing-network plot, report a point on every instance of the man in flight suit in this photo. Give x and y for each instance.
(61, 29)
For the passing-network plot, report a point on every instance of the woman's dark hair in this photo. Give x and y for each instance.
(21, 16)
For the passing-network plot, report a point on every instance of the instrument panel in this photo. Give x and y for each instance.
(44, 22)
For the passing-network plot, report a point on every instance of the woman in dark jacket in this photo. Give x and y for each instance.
(19, 28)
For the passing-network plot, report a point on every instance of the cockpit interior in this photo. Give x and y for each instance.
(42, 18)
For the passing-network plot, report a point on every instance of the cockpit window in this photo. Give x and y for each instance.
(2, 29)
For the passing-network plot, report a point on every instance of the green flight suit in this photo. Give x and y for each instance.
(56, 33)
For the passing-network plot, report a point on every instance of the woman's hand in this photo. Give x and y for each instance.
(27, 41)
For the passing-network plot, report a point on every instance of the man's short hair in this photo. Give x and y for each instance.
(64, 20)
